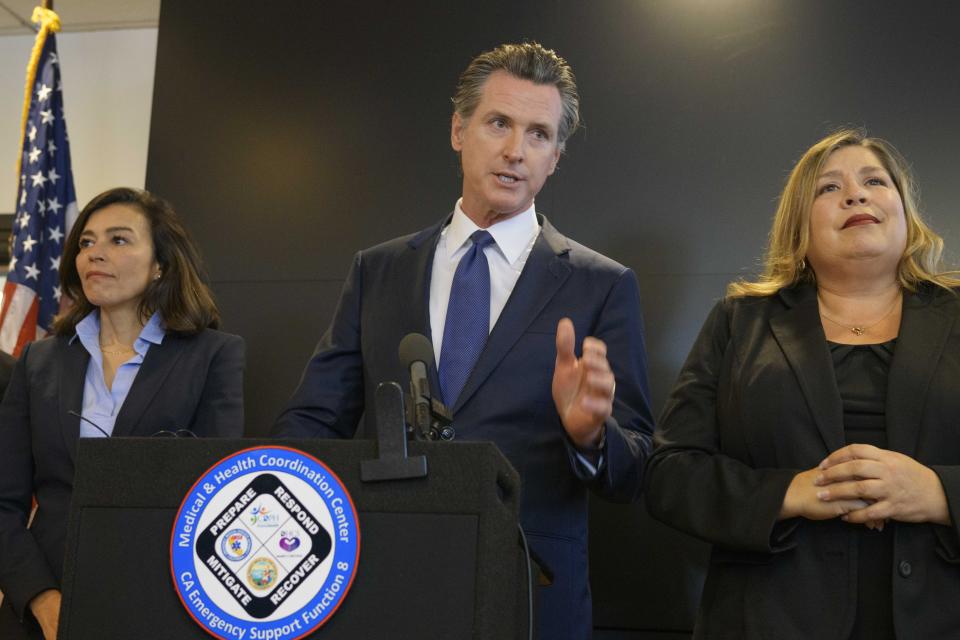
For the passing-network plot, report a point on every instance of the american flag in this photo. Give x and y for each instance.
(46, 207)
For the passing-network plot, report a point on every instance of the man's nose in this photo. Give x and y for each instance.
(513, 147)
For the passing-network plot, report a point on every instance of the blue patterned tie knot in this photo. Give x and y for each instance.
(468, 318)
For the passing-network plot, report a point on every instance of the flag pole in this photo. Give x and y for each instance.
(49, 23)
(46, 200)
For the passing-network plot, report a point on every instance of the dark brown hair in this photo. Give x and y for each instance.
(527, 61)
(180, 294)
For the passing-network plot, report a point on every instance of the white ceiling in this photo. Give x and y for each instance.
(81, 15)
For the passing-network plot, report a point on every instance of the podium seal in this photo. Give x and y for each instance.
(265, 545)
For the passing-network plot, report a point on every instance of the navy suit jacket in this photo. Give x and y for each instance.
(507, 398)
(756, 403)
(193, 382)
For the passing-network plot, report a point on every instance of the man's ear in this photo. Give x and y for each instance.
(556, 159)
(457, 125)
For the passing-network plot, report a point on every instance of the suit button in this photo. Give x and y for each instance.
(905, 569)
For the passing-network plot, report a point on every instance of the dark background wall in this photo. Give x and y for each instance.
(290, 135)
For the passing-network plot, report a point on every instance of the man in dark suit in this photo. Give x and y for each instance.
(497, 269)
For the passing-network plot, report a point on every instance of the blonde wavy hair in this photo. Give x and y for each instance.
(784, 263)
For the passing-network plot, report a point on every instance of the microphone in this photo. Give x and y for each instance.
(416, 352)
(89, 421)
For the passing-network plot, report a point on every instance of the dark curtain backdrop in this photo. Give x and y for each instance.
(289, 135)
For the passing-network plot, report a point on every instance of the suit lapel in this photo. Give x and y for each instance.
(73, 373)
(924, 329)
(420, 266)
(544, 273)
(799, 333)
(153, 372)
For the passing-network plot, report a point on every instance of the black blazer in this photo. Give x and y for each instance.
(193, 383)
(756, 403)
(6, 370)
(507, 398)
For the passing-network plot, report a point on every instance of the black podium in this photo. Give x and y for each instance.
(439, 555)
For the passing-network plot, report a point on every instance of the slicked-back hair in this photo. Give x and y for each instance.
(784, 262)
(180, 294)
(527, 61)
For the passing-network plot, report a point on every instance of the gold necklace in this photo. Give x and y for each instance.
(117, 353)
(859, 330)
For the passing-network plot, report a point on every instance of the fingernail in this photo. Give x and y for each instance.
(823, 495)
(845, 518)
(818, 480)
(823, 464)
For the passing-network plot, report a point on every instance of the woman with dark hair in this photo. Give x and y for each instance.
(136, 355)
(812, 434)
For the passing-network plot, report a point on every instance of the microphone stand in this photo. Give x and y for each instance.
(391, 462)
(429, 418)
(424, 418)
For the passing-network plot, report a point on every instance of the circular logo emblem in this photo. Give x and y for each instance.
(235, 545)
(265, 545)
(262, 573)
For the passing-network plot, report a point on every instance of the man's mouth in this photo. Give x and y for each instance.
(506, 178)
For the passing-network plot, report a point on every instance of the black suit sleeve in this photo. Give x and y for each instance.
(329, 401)
(24, 571)
(220, 409)
(949, 537)
(629, 430)
(692, 485)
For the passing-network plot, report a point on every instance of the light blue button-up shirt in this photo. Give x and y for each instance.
(100, 404)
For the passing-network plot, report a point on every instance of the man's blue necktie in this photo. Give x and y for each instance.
(468, 319)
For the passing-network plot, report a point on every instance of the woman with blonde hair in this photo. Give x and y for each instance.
(812, 434)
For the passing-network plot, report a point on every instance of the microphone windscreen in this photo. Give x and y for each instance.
(415, 347)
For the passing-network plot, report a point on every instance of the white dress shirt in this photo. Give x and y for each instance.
(506, 258)
(514, 240)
